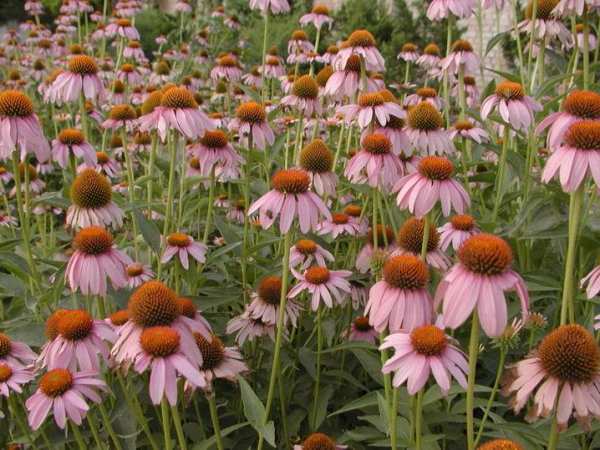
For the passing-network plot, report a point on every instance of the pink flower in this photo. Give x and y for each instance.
(123, 28)
(299, 45)
(340, 224)
(344, 82)
(484, 272)
(183, 6)
(65, 393)
(251, 122)
(425, 130)
(421, 352)
(577, 106)
(430, 58)
(466, 130)
(462, 55)
(409, 53)
(81, 78)
(20, 127)
(420, 191)
(410, 241)
(104, 164)
(319, 16)
(564, 370)
(95, 259)
(227, 68)
(138, 273)
(575, 7)
(362, 330)
(273, 67)
(214, 152)
(273, 6)
(288, 198)
(317, 160)
(322, 284)
(371, 107)
(15, 353)
(424, 94)
(248, 329)
(548, 24)
(220, 361)
(91, 194)
(379, 244)
(400, 300)
(266, 300)
(80, 342)
(304, 96)
(182, 245)
(592, 280)
(457, 231)
(515, 108)
(72, 142)
(361, 43)
(13, 378)
(305, 253)
(578, 156)
(162, 353)
(375, 163)
(440, 9)
(319, 441)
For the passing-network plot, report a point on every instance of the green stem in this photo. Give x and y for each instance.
(149, 171)
(282, 407)
(131, 191)
(500, 177)
(567, 305)
(470, 399)
(178, 428)
(425, 242)
(109, 427)
(246, 188)
(488, 406)
(78, 436)
(285, 268)
(94, 429)
(553, 438)
(318, 369)
(211, 200)
(214, 416)
(166, 423)
(419, 421)
(394, 420)
(264, 56)
(586, 50)
(134, 406)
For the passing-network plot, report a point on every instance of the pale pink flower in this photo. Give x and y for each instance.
(214, 152)
(227, 68)
(183, 245)
(183, 6)
(592, 280)
(575, 7)
(253, 78)
(424, 94)
(220, 362)
(104, 164)
(72, 142)
(138, 274)
(515, 108)
(340, 224)
(430, 58)
(248, 329)
(379, 244)
(395, 131)
(323, 285)
(467, 130)
(290, 198)
(251, 122)
(421, 352)
(400, 300)
(304, 96)
(410, 241)
(592, 39)
(440, 9)
(95, 259)
(318, 17)
(305, 252)
(123, 28)
(462, 55)
(362, 43)
(65, 393)
(409, 53)
(425, 130)
(484, 272)
(15, 353)
(13, 378)
(457, 231)
(371, 107)
(344, 82)
(362, 330)
(272, 6)
(81, 79)
(266, 300)
(420, 191)
(273, 67)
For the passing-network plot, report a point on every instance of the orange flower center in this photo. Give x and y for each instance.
(353, 64)
(543, 10)
(102, 157)
(119, 318)
(251, 112)
(186, 307)
(124, 23)
(428, 340)
(291, 181)
(410, 236)
(269, 289)
(321, 9)
(5, 372)
(500, 444)
(584, 135)
(305, 87)
(160, 341)
(424, 117)
(93, 240)
(470, 81)
(306, 246)
(462, 222)
(485, 254)
(436, 168)
(353, 210)
(319, 441)
(213, 351)
(299, 35)
(214, 139)
(362, 323)
(377, 144)
(509, 90)
(340, 218)
(361, 38)
(71, 136)
(405, 272)
(431, 50)
(55, 383)
(142, 138)
(571, 354)
(83, 65)
(122, 113)
(15, 104)
(91, 190)
(317, 275)
(178, 98)
(178, 239)
(409, 48)
(461, 45)
(5, 345)
(370, 99)
(324, 75)
(583, 104)
(427, 92)
(463, 125)
(153, 304)
(52, 323)
(316, 157)
(153, 100)
(75, 325)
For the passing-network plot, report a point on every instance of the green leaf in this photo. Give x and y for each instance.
(149, 230)
(371, 363)
(495, 40)
(209, 443)
(322, 403)
(254, 411)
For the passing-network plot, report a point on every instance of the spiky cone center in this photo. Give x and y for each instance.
(291, 181)
(71, 136)
(51, 329)
(584, 135)
(124, 113)
(251, 112)
(178, 98)
(178, 239)
(39, 65)
(162, 68)
(460, 45)
(340, 218)
(317, 275)
(424, 117)
(56, 382)
(195, 163)
(91, 190)
(76, 49)
(583, 104)
(353, 64)
(510, 90)
(353, 210)
(409, 47)
(436, 168)
(134, 44)
(500, 444)
(570, 354)
(305, 87)
(5, 372)
(186, 307)
(153, 100)
(44, 44)
(93, 240)
(102, 157)
(395, 123)
(142, 138)
(227, 61)
(213, 351)
(323, 75)
(160, 341)
(428, 340)
(462, 222)
(463, 125)
(14, 75)
(470, 81)
(306, 246)
(485, 254)
(362, 324)
(316, 157)
(119, 317)
(75, 325)
(405, 272)
(153, 304)
(432, 50)
(83, 65)
(426, 92)
(368, 99)
(270, 61)
(15, 104)
(299, 35)
(543, 9)
(384, 235)
(361, 38)
(410, 236)
(269, 289)
(5, 345)
(377, 144)
(319, 441)
(31, 172)
(320, 9)
(124, 23)
(214, 139)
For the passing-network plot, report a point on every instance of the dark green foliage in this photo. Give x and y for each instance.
(152, 23)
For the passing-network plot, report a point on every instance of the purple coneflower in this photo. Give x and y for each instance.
(375, 163)
(266, 300)
(425, 130)
(13, 379)
(218, 361)
(409, 53)
(457, 231)
(371, 107)
(305, 252)
(227, 68)
(339, 225)
(214, 152)
(319, 441)
(462, 55)
(323, 285)
(317, 160)
(273, 6)
(248, 329)
(467, 130)
(81, 78)
(123, 28)
(15, 353)
(138, 274)
(410, 240)
(318, 17)
(183, 245)
(251, 122)
(304, 96)
(515, 108)
(362, 43)
(362, 330)
(440, 9)
(72, 142)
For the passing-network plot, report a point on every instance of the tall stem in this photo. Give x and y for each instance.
(178, 428)
(166, 423)
(567, 304)
(214, 416)
(500, 177)
(280, 326)
(246, 187)
(313, 424)
(490, 402)
(78, 437)
(419, 421)
(264, 56)
(211, 200)
(553, 438)
(470, 400)
(394, 420)
(149, 171)
(586, 50)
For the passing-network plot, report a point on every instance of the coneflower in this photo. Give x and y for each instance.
(251, 122)
(425, 130)
(304, 96)
(81, 79)
(319, 441)
(363, 44)
(71, 141)
(317, 159)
